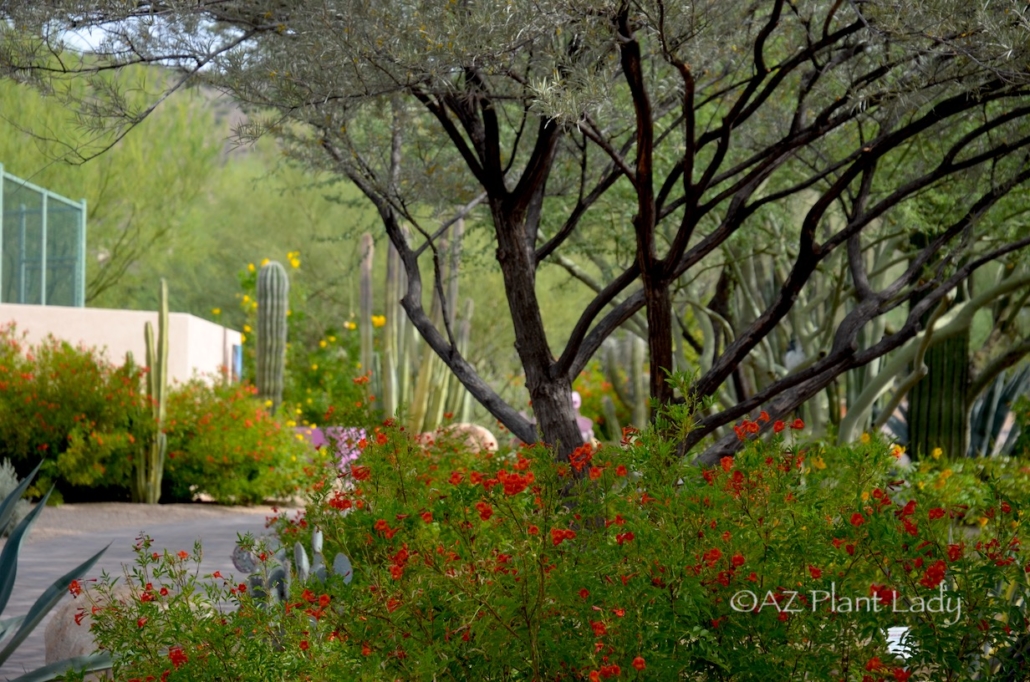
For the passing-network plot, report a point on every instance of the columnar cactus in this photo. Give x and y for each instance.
(273, 293)
(150, 468)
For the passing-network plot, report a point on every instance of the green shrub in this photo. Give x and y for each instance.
(616, 565)
(75, 409)
(221, 441)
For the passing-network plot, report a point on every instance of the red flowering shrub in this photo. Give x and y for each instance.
(741, 572)
(221, 441)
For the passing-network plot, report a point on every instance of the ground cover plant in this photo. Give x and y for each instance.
(790, 561)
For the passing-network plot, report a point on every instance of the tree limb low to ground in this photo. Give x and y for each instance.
(673, 129)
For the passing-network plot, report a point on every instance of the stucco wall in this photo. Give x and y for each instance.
(194, 345)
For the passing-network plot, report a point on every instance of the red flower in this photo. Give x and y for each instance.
(392, 605)
(596, 473)
(778, 426)
(427, 517)
(176, 656)
(726, 463)
(75, 588)
(304, 645)
(559, 535)
(455, 478)
(584, 593)
(934, 575)
(901, 675)
(599, 628)
(857, 519)
(141, 622)
(936, 513)
(533, 530)
(816, 573)
(621, 470)
(639, 663)
(360, 473)
(797, 424)
(874, 664)
(183, 554)
(624, 537)
(485, 510)
(737, 560)
(712, 556)
(955, 552)
(763, 416)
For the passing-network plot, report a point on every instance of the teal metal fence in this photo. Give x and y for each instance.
(42, 245)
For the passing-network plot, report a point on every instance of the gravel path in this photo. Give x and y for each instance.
(65, 536)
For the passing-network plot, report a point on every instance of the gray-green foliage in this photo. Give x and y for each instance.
(8, 484)
(270, 581)
(13, 631)
(273, 299)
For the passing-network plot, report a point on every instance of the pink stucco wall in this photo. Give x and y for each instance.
(194, 345)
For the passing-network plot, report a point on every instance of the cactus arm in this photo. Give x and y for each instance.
(365, 325)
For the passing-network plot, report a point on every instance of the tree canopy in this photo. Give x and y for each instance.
(655, 134)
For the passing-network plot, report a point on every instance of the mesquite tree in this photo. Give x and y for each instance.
(656, 132)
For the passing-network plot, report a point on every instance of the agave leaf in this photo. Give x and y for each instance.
(9, 624)
(92, 663)
(45, 602)
(7, 506)
(9, 557)
(316, 541)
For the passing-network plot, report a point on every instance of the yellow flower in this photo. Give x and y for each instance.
(290, 423)
(322, 343)
(297, 411)
(264, 262)
(378, 320)
(864, 438)
(332, 339)
(288, 313)
(246, 298)
(268, 403)
(946, 473)
(295, 263)
(216, 311)
(243, 338)
(247, 328)
(897, 451)
(865, 497)
(983, 520)
(308, 401)
(314, 367)
(937, 452)
(350, 325)
(818, 463)
(250, 267)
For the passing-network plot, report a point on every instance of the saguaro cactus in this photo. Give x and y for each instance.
(150, 468)
(273, 293)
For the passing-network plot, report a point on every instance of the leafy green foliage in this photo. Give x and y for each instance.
(222, 441)
(71, 406)
(613, 565)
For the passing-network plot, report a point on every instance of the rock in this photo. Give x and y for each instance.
(66, 638)
(472, 436)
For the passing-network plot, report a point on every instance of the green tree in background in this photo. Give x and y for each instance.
(137, 195)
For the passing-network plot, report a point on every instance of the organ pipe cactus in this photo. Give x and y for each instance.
(150, 467)
(406, 372)
(273, 290)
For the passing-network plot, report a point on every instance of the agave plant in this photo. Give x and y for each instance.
(13, 631)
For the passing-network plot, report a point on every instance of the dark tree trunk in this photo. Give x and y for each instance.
(551, 394)
(659, 339)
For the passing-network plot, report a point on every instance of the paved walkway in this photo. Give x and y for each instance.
(46, 558)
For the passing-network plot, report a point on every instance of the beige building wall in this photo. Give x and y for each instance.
(195, 346)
